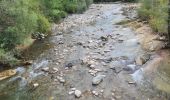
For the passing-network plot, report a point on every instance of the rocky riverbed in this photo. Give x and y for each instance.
(87, 57)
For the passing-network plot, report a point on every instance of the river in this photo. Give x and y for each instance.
(81, 47)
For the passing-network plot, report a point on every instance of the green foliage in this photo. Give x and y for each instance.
(22, 18)
(156, 13)
(57, 9)
(6, 58)
(43, 24)
(114, 0)
(56, 14)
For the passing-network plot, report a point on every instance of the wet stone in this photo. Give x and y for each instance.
(130, 68)
(104, 38)
(79, 43)
(69, 65)
(98, 79)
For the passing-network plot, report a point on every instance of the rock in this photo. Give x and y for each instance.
(77, 93)
(26, 63)
(120, 41)
(93, 72)
(142, 59)
(91, 66)
(96, 80)
(45, 69)
(95, 93)
(60, 42)
(131, 82)
(7, 73)
(130, 68)
(113, 94)
(90, 41)
(55, 70)
(69, 65)
(79, 43)
(103, 38)
(108, 60)
(60, 79)
(35, 85)
(71, 92)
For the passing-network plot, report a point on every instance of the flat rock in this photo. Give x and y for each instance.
(99, 78)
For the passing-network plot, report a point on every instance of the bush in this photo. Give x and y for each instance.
(56, 15)
(156, 13)
(7, 59)
(43, 24)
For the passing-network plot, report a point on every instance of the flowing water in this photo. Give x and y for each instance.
(92, 37)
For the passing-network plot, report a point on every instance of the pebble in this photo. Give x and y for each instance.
(77, 93)
(71, 92)
(35, 85)
(95, 93)
(101, 91)
(61, 80)
(92, 66)
(113, 94)
(55, 69)
(69, 65)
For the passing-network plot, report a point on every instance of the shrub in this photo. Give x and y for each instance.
(56, 15)
(156, 13)
(7, 58)
(43, 24)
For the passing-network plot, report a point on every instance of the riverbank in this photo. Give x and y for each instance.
(155, 71)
